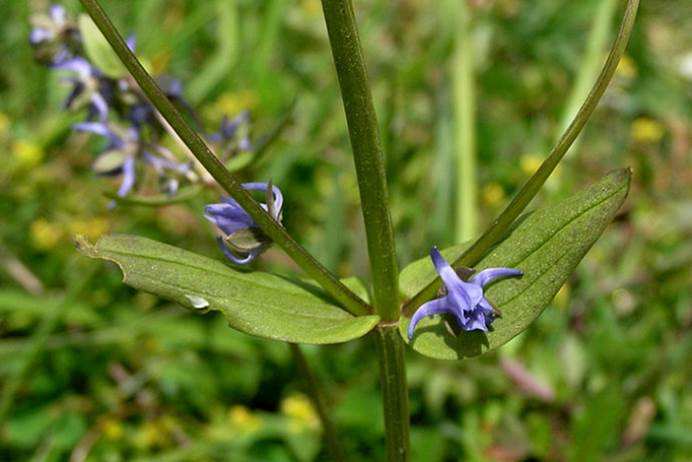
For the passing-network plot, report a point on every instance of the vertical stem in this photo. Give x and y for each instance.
(390, 348)
(317, 397)
(465, 122)
(367, 153)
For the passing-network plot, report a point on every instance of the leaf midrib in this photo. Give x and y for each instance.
(225, 274)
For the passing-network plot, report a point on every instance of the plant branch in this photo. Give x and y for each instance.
(500, 226)
(229, 182)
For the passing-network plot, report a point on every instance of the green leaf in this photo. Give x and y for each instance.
(109, 161)
(256, 303)
(547, 245)
(240, 161)
(98, 50)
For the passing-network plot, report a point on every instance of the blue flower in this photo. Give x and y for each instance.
(168, 168)
(125, 147)
(48, 27)
(53, 35)
(88, 88)
(233, 135)
(463, 300)
(119, 156)
(242, 240)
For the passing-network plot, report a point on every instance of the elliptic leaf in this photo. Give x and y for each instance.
(547, 245)
(98, 50)
(257, 303)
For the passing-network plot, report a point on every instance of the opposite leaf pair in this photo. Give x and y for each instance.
(546, 247)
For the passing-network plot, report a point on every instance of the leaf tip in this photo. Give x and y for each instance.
(621, 175)
(84, 246)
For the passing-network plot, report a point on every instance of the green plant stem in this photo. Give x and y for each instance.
(390, 348)
(501, 224)
(588, 68)
(465, 121)
(317, 398)
(228, 182)
(372, 183)
(367, 153)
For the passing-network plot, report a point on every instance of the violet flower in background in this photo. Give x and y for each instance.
(464, 300)
(125, 147)
(53, 35)
(118, 158)
(87, 90)
(117, 110)
(233, 135)
(242, 240)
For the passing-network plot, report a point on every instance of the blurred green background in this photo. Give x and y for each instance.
(93, 370)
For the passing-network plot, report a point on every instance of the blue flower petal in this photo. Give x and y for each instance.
(437, 306)
(491, 274)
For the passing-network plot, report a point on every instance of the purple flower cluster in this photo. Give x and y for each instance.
(118, 111)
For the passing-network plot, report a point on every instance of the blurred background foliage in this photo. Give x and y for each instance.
(93, 370)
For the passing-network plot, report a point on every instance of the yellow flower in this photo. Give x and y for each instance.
(153, 433)
(45, 235)
(300, 409)
(626, 68)
(231, 104)
(4, 124)
(112, 429)
(243, 419)
(493, 194)
(27, 153)
(646, 130)
(92, 229)
(311, 7)
(529, 163)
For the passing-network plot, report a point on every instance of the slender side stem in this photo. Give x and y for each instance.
(390, 348)
(502, 223)
(367, 153)
(588, 66)
(465, 124)
(315, 392)
(228, 181)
